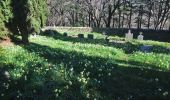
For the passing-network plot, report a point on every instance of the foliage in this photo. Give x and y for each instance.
(1, 52)
(31, 19)
(5, 15)
(38, 13)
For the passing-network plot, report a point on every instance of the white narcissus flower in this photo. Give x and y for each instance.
(7, 75)
(165, 93)
(70, 83)
(2, 95)
(156, 79)
(109, 74)
(71, 69)
(88, 95)
(159, 89)
(55, 90)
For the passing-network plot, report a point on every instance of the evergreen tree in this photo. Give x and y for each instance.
(5, 14)
(22, 16)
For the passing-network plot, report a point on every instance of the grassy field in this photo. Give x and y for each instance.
(69, 68)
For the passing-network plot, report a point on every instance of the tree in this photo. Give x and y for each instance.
(151, 14)
(5, 15)
(23, 16)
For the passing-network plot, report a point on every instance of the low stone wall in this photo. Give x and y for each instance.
(75, 29)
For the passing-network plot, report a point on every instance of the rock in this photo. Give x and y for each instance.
(90, 36)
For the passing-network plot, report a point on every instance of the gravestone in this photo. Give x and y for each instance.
(90, 36)
(146, 48)
(65, 34)
(104, 33)
(129, 36)
(49, 33)
(140, 37)
(80, 35)
(106, 37)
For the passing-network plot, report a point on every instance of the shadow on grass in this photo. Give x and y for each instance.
(143, 65)
(122, 84)
(127, 47)
(33, 85)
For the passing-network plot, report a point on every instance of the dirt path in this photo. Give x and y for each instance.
(6, 42)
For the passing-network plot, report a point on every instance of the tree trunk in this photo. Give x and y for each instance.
(25, 38)
(109, 17)
(73, 18)
(24, 34)
(123, 20)
(113, 24)
(149, 16)
(89, 20)
(130, 18)
(119, 18)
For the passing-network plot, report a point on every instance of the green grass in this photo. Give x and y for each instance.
(65, 68)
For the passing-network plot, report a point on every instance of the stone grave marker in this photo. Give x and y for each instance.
(90, 36)
(140, 37)
(104, 33)
(106, 37)
(129, 36)
(80, 35)
(51, 33)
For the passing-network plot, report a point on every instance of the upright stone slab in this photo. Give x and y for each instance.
(140, 37)
(104, 33)
(106, 37)
(129, 36)
(51, 33)
(80, 35)
(90, 36)
(107, 40)
(48, 33)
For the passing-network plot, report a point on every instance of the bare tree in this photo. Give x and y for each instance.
(150, 14)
